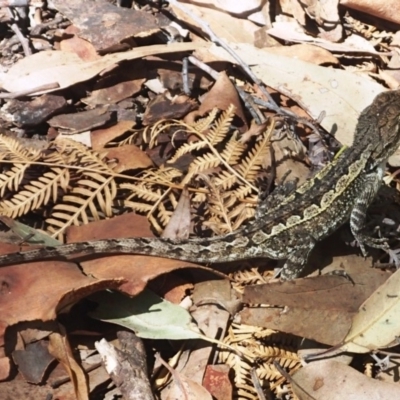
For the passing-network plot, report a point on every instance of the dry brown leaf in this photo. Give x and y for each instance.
(60, 348)
(100, 137)
(136, 270)
(217, 382)
(319, 308)
(186, 389)
(225, 26)
(127, 225)
(385, 9)
(164, 107)
(340, 94)
(81, 121)
(33, 361)
(66, 69)
(81, 47)
(129, 157)
(178, 226)
(305, 52)
(40, 290)
(352, 44)
(115, 87)
(332, 380)
(95, 18)
(222, 95)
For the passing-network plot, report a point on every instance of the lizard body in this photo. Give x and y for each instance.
(289, 227)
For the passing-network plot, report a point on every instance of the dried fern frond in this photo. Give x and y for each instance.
(36, 194)
(203, 124)
(250, 166)
(219, 221)
(250, 341)
(13, 150)
(93, 193)
(221, 127)
(233, 151)
(21, 157)
(217, 153)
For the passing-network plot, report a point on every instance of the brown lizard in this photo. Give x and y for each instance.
(289, 226)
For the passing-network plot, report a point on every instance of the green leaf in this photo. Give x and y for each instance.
(148, 315)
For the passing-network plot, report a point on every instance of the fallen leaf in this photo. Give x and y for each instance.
(332, 380)
(385, 9)
(66, 69)
(100, 137)
(319, 308)
(178, 226)
(60, 348)
(377, 323)
(95, 18)
(148, 315)
(340, 94)
(129, 157)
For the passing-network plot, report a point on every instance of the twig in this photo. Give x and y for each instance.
(23, 40)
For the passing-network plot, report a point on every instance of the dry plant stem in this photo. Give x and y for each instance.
(257, 385)
(23, 40)
(291, 380)
(174, 374)
(254, 111)
(215, 39)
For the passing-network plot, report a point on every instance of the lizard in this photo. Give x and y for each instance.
(286, 226)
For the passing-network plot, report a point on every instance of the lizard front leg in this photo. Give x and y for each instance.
(371, 184)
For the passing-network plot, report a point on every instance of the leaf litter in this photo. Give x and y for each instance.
(133, 143)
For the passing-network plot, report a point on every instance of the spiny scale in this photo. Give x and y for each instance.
(288, 225)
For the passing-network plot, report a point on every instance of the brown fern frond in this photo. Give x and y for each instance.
(219, 221)
(233, 151)
(225, 180)
(250, 166)
(201, 164)
(241, 213)
(93, 193)
(218, 132)
(203, 124)
(257, 356)
(37, 193)
(242, 192)
(13, 150)
(22, 157)
(137, 206)
(164, 215)
(12, 178)
(142, 191)
(186, 149)
(81, 205)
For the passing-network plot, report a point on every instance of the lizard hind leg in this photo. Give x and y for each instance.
(359, 215)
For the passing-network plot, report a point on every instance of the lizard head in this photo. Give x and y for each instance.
(379, 127)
